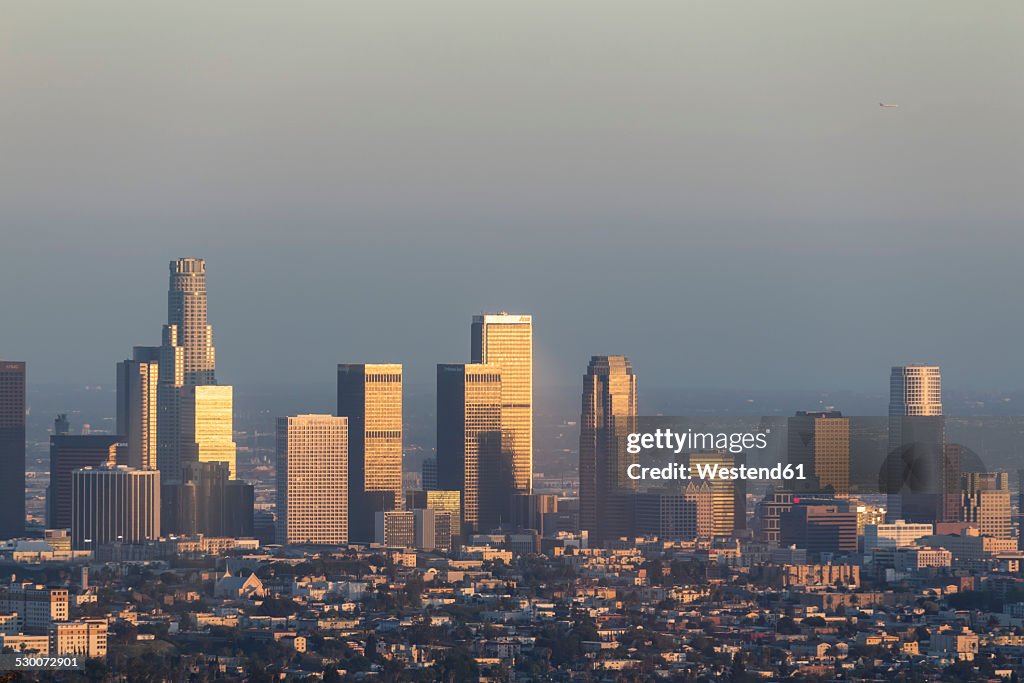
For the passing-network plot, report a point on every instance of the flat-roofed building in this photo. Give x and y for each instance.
(312, 479)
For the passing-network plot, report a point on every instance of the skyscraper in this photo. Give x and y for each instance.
(12, 449)
(205, 416)
(469, 443)
(186, 357)
(820, 441)
(114, 504)
(728, 496)
(137, 381)
(609, 413)
(507, 341)
(916, 464)
(312, 479)
(370, 396)
(986, 503)
(70, 452)
(61, 425)
(207, 502)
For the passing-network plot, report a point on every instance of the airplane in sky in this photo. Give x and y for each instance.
(884, 104)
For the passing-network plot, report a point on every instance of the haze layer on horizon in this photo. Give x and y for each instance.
(709, 188)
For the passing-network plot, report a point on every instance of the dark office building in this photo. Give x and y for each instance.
(12, 449)
(528, 510)
(819, 527)
(207, 502)
(370, 396)
(70, 452)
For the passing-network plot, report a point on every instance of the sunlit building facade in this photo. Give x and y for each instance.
(469, 443)
(138, 379)
(312, 479)
(370, 396)
(187, 358)
(506, 340)
(206, 426)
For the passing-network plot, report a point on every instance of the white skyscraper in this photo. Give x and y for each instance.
(916, 442)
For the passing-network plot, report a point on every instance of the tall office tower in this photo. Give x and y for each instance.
(986, 503)
(12, 449)
(436, 499)
(609, 412)
(137, 380)
(370, 396)
(207, 502)
(428, 472)
(507, 341)
(186, 357)
(114, 504)
(916, 461)
(69, 453)
(470, 458)
(61, 425)
(312, 479)
(207, 432)
(728, 496)
(820, 441)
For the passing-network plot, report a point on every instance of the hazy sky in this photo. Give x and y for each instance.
(708, 187)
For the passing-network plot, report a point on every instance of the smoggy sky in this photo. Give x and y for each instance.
(708, 187)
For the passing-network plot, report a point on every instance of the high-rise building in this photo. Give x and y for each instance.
(986, 503)
(61, 425)
(820, 528)
(370, 396)
(206, 423)
(12, 449)
(820, 441)
(114, 504)
(436, 499)
(312, 479)
(207, 502)
(728, 496)
(609, 412)
(916, 467)
(186, 357)
(470, 458)
(432, 529)
(506, 340)
(395, 528)
(137, 381)
(69, 453)
(528, 510)
(428, 471)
